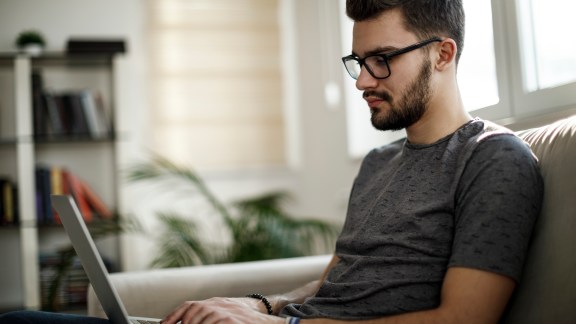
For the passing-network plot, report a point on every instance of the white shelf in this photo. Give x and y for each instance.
(94, 161)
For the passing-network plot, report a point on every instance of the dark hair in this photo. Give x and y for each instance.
(425, 18)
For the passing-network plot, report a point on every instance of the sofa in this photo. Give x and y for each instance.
(547, 293)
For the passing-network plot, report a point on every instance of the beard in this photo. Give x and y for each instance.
(411, 106)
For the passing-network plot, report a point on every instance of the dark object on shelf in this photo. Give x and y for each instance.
(96, 46)
(39, 111)
(70, 114)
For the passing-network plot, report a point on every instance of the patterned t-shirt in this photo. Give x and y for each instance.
(469, 200)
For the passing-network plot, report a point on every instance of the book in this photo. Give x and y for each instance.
(39, 112)
(8, 202)
(95, 202)
(56, 188)
(74, 111)
(56, 120)
(43, 187)
(73, 287)
(59, 180)
(94, 113)
(77, 191)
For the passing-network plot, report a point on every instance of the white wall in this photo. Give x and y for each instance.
(323, 177)
(59, 20)
(326, 175)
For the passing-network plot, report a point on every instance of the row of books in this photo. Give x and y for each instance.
(67, 114)
(58, 180)
(8, 202)
(73, 288)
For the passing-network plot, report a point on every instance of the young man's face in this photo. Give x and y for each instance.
(402, 99)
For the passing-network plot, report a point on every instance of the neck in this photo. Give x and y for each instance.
(443, 117)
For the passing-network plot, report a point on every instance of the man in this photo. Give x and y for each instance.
(439, 223)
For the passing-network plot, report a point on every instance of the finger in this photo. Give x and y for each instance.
(177, 313)
(197, 314)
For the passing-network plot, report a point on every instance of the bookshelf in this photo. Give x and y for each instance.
(93, 157)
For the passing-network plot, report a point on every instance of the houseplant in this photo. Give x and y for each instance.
(31, 42)
(255, 228)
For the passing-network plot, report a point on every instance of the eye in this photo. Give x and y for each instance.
(377, 60)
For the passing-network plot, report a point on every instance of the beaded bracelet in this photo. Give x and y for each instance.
(264, 300)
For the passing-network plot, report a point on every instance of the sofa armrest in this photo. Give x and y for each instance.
(154, 293)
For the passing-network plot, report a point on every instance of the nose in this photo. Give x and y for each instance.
(365, 80)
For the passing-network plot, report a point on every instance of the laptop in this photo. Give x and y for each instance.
(92, 262)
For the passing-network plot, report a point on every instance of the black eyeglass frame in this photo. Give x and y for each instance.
(386, 57)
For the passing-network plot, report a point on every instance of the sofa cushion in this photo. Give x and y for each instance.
(547, 292)
(154, 293)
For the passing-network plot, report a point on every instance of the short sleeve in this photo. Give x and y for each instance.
(497, 203)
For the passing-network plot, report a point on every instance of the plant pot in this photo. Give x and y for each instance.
(32, 49)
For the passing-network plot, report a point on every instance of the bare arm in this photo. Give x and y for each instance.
(468, 296)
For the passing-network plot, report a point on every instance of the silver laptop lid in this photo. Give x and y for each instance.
(90, 258)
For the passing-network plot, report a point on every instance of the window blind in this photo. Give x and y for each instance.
(216, 83)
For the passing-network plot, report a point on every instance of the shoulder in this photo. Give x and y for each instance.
(506, 146)
(494, 141)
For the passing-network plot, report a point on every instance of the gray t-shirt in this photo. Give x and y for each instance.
(469, 200)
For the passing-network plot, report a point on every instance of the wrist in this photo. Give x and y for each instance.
(263, 301)
(277, 303)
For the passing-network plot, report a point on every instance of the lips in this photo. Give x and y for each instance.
(373, 102)
(375, 99)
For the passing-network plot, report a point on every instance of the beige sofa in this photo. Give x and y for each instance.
(547, 293)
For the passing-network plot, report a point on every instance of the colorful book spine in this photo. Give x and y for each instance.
(59, 180)
(8, 202)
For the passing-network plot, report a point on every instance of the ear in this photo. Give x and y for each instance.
(446, 55)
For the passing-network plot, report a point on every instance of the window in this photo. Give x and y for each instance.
(548, 44)
(477, 67)
(540, 56)
(216, 83)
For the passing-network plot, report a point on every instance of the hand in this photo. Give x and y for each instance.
(222, 311)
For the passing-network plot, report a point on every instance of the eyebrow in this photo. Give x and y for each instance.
(377, 50)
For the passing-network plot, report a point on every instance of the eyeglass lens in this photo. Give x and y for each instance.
(377, 65)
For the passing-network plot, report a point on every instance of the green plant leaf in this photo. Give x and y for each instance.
(180, 244)
(259, 227)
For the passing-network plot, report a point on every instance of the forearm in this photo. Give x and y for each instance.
(468, 296)
(429, 317)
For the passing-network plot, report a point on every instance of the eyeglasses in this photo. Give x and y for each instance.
(378, 65)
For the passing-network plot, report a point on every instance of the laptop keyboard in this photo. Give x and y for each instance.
(141, 321)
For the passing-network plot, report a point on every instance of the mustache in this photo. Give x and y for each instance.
(380, 95)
